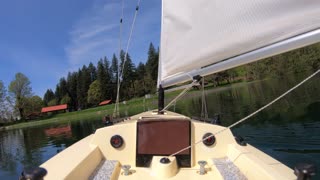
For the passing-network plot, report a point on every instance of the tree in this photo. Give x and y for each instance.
(152, 62)
(93, 72)
(72, 83)
(48, 96)
(53, 102)
(3, 106)
(103, 78)
(20, 89)
(65, 99)
(128, 76)
(94, 93)
(114, 68)
(140, 84)
(152, 69)
(114, 77)
(33, 105)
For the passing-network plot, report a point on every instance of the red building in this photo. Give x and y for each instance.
(105, 102)
(62, 107)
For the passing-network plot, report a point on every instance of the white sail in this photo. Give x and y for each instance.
(228, 33)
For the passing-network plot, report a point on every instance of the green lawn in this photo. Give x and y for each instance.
(133, 106)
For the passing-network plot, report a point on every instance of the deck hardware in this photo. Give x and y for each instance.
(240, 140)
(33, 173)
(304, 171)
(165, 160)
(126, 170)
(216, 120)
(209, 141)
(202, 169)
(116, 141)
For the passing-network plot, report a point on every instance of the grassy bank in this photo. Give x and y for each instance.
(133, 106)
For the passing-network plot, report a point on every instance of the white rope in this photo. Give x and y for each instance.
(247, 117)
(116, 108)
(181, 94)
(130, 35)
(204, 110)
(120, 71)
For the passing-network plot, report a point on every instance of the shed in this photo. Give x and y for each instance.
(54, 108)
(105, 102)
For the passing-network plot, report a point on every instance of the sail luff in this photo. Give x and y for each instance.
(268, 51)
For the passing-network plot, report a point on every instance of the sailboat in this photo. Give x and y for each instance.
(198, 38)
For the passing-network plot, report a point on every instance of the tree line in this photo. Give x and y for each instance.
(306, 59)
(92, 84)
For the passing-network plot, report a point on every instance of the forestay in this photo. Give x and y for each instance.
(208, 36)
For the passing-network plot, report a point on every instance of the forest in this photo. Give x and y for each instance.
(92, 84)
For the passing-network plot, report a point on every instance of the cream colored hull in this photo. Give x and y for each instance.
(80, 160)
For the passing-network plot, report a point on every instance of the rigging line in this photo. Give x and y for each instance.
(116, 108)
(204, 111)
(247, 117)
(120, 71)
(130, 35)
(181, 94)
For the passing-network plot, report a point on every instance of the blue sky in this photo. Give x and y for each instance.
(46, 39)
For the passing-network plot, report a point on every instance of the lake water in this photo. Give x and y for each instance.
(289, 130)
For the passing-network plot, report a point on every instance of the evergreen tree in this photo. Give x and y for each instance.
(93, 72)
(57, 94)
(48, 96)
(128, 77)
(114, 77)
(102, 77)
(72, 81)
(140, 84)
(114, 68)
(152, 62)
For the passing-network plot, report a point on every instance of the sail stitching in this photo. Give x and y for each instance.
(252, 114)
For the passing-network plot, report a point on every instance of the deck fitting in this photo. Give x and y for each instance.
(202, 169)
(126, 170)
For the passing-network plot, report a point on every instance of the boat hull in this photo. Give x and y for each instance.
(94, 156)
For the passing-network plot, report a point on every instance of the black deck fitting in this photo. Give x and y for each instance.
(160, 100)
(304, 171)
(33, 173)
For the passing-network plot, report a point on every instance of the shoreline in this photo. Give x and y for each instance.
(98, 112)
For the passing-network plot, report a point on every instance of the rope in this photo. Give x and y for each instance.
(120, 71)
(116, 108)
(181, 94)
(129, 40)
(247, 117)
(204, 110)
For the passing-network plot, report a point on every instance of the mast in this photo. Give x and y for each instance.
(160, 99)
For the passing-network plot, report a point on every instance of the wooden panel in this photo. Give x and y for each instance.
(163, 137)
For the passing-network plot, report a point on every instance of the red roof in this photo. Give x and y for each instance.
(105, 102)
(54, 108)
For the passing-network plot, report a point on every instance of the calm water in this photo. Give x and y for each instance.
(288, 131)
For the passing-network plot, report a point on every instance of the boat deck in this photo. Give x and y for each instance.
(222, 168)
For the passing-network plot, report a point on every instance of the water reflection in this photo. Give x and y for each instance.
(288, 130)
